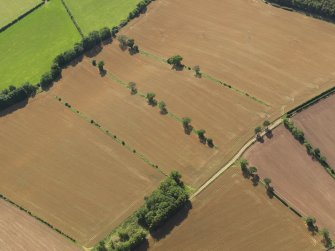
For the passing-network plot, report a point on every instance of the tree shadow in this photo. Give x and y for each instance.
(163, 112)
(133, 51)
(94, 52)
(76, 61)
(270, 192)
(203, 140)
(14, 108)
(269, 134)
(178, 67)
(255, 180)
(144, 246)
(260, 139)
(198, 75)
(107, 41)
(173, 222)
(188, 129)
(102, 72)
(123, 47)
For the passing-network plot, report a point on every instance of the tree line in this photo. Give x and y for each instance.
(323, 8)
(314, 152)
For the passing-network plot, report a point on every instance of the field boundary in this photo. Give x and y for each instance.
(169, 114)
(72, 18)
(311, 102)
(110, 134)
(37, 218)
(5, 27)
(209, 77)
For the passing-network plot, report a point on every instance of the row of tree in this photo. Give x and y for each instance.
(259, 129)
(188, 128)
(324, 8)
(129, 43)
(314, 152)
(311, 224)
(13, 95)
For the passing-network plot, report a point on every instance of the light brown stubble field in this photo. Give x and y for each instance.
(231, 214)
(318, 124)
(299, 180)
(20, 232)
(281, 57)
(69, 173)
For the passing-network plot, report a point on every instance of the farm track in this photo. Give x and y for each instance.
(209, 77)
(109, 133)
(234, 159)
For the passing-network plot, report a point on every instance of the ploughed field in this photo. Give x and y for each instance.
(299, 180)
(10, 10)
(68, 172)
(20, 232)
(280, 57)
(318, 124)
(231, 214)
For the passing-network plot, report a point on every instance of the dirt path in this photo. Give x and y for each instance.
(234, 159)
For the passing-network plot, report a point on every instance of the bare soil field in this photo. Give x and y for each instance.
(69, 173)
(302, 182)
(21, 232)
(278, 56)
(318, 124)
(160, 138)
(233, 215)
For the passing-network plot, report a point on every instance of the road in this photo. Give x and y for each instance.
(234, 159)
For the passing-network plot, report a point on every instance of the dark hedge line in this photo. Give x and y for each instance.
(3, 28)
(11, 96)
(323, 8)
(93, 39)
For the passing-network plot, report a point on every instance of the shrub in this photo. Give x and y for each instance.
(151, 98)
(162, 107)
(175, 61)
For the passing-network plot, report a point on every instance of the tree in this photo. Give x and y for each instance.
(162, 107)
(267, 182)
(258, 130)
(201, 135)
(130, 42)
(105, 33)
(197, 71)
(101, 246)
(210, 142)
(11, 88)
(326, 237)
(253, 170)
(244, 168)
(151, 98)
(266, 124)
(101, 66)
(123, 41)
(46, 80)
(311, 221)
(175, 61)
(94, 62)
(244, 163)
(177, 177)
(317, 153)
(132, 87)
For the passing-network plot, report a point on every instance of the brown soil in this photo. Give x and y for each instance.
(160, 138)
(318, 124)
(302, 182)
(69, 173)
(21, 232)
(233, 215)
(278, 56)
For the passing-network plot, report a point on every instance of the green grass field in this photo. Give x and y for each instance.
(28, 47)
(11, 9)
(95, 14)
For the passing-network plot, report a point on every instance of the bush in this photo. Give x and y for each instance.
(46, 80)
(175, 61)
(105, 34)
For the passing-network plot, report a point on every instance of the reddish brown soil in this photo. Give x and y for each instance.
(231, 214)
(302, 182)
(21, 232)
(278, 56)
(318, 124)
(68, 172)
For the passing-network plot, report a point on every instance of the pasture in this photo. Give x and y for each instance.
(68, 172)
(30, 45)
(318, 124)
(20, 232)
(280, 57)
(94, 15)
(299, 180)
(10, 10)
(231, 214)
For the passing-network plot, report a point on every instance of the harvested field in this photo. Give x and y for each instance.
(21, 232)
(69, 173)
(160, 138)
(231, 214)
(96, 14)
(280, 57)
(299, 180)
(30, 45)
(318, 124)
(10, 10)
